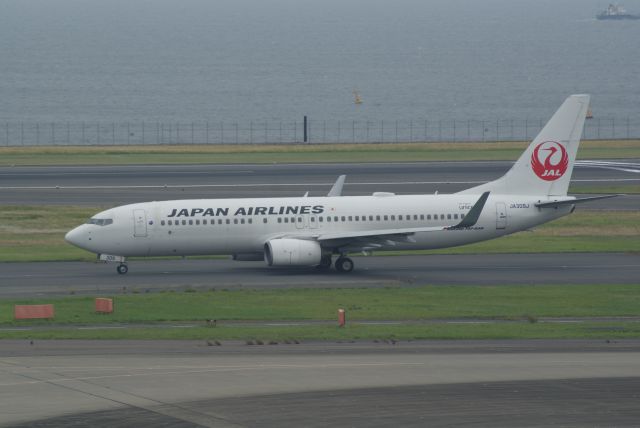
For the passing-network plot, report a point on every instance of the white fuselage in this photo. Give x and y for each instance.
(243, 226)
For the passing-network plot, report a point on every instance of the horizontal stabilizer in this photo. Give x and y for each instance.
(558, 203)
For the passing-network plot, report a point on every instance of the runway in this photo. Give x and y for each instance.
(189, 384)
(118, 185)
(65, 278)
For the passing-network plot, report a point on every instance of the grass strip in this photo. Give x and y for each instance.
(353, 331)
(296, 153)
(518, 302)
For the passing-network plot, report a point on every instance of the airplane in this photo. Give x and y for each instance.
(310, 231)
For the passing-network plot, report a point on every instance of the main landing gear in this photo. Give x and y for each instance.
(344, 264)
(122, 269)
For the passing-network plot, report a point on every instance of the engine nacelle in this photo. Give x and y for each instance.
(292, 252)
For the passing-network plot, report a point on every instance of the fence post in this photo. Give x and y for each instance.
(426, 130)
(396, 130)
(324, 131)
(304, 131)
(353, 131)
(613, 128)
(410, 130)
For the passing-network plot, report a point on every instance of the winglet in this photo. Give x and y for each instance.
(336, 190)
(474, 213)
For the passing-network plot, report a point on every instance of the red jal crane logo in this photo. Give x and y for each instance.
(549, 160)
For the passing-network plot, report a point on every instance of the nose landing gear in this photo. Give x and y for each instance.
(122, 269)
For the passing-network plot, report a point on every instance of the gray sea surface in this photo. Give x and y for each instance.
(273, 60)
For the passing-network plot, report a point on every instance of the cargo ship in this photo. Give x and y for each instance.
(616, 12)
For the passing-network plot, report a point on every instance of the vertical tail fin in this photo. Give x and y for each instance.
(546, 165)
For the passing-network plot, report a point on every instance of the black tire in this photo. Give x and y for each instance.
(122, 269)
(325, 262)
(344, 264)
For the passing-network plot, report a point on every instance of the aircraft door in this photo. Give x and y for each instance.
(313, 222)
(300, 221)
(501, 215)
(139, 223)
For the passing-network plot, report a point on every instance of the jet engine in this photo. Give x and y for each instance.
(292, 252)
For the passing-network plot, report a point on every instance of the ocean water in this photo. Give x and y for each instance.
(274, 60)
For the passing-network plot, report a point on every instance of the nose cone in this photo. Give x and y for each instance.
(75, 237)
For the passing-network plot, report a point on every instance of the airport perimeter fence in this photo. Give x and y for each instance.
(16, 134)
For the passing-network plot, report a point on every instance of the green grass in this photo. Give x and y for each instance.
(419, 303)
(121, 155)
(36, 233)
(150, 316)
(629, 189)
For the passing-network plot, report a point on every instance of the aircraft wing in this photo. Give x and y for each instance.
(375, 238)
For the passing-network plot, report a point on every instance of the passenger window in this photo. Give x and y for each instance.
(328, 219)
(204, 222)
(241, 221)
(313, 219)
(448, 216)
(357, 218)
(286, 219)
(320, 219)
(370, 218)
(264, 220)
(190, 222)
(399, 217)
(455, 216)
(235, 221)
(170, 222)
(299, 219)
(279, 220)
(462, 216)
(335, 218)
(161, 222)
(393, 217)
(197, 222)
(441, 216)
(377, 218)
(343, 218)
(228, 221)
(184, 222)
(219, 221)
(386, 218)
(428, 216)
(422, 216)
(350, 218)
(250, 221)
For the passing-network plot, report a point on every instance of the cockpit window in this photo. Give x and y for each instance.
(100, 221)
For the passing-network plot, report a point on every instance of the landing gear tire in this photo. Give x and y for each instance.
(325, 262)
(344, 264)
(122, 269)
